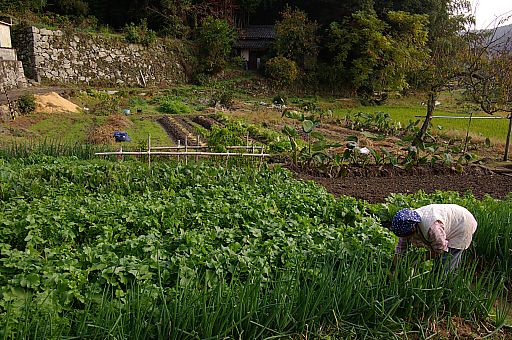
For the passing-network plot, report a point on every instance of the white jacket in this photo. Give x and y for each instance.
(459, 223)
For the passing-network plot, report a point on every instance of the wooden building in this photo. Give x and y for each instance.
(253, 43)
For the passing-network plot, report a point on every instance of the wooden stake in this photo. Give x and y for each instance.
(149, 151)
(186, 150)
(197, 157)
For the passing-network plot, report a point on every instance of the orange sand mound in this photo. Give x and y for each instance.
(53, 102)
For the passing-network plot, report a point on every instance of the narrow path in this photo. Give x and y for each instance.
(14, 94)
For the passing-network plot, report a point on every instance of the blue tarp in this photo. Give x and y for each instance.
(121, 136)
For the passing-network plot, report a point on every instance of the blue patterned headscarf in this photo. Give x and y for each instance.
(404, 222)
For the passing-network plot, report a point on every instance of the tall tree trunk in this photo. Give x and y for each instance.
(431, 105)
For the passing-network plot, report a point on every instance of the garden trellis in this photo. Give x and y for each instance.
(184, 151)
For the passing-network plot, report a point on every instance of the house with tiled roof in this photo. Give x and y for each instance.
(253, 43)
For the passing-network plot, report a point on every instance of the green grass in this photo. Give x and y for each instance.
(141, 128)
(65, 127)
(495, 129)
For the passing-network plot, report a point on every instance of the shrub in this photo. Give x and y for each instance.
(220, 137)
(140, 34)
(26, 104)
(224, 98)
(281, 71)
(174, 106)
(202, 79)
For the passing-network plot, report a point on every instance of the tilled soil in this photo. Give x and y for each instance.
(374, 187)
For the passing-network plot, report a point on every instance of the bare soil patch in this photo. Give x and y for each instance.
(374, 185)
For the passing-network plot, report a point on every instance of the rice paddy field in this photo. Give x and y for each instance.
(107, 249)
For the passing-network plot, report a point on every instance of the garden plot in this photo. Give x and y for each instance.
(200, 130)
(179, 132)
(100, 249)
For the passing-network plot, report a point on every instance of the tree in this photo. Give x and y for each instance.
(169, 17)
(447, 42)
(374, 55)
(16, 6)
(296, 38)
(215, 40)
(71, 7)
(488, 77)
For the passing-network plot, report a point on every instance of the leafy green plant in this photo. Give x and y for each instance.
(224, 98)
(173, 106)
(26, 103)
(354, 153)
(140, 34)
(316, 149)
(220, 137)
(102, 249)
(380, 122)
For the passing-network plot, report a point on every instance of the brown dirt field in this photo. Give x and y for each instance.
(374, 186)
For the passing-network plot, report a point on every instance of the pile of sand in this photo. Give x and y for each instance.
(52, 102)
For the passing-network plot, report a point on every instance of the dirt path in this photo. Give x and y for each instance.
(16, 93)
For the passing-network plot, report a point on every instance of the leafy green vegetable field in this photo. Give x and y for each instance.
(103, 249)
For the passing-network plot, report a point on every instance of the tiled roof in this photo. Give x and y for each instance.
(257, 32)
(253, 44)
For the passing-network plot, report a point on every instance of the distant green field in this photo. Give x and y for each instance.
(495, 129)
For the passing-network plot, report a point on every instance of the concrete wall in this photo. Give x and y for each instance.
(5, 35)
(7, 54)
(58, 57)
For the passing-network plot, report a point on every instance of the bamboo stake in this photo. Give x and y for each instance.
(261, 160)
(186, 150)
(149, 152)
(197, 157)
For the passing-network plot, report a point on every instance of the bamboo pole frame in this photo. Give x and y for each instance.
(248, 147)
(256, 151)
(178, 153)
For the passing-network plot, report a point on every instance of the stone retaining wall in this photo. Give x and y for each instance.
(57, 57)
(11, 75)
